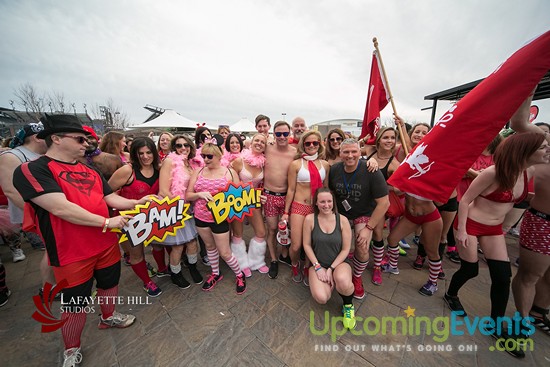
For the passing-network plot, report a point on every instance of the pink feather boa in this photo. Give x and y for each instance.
(228, 158)
(179, 175)
(254, 160)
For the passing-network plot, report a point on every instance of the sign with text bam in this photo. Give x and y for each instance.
(236, 202)
(154, 220)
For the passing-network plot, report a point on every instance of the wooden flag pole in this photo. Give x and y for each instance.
(401, 136)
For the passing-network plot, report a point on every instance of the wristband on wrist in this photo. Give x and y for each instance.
(105, 225)
(317, 266)
(369, 227)
(331, 268)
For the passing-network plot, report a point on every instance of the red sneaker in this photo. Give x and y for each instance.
(376, 276)
(359, 292)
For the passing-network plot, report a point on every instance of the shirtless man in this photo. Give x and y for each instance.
(279, 156)
(298, 128)
(106, 163)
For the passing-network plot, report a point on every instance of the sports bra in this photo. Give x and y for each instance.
(303, 173)
(246, 176)
(499, 196)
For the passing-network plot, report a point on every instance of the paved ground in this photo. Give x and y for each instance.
(269, 325)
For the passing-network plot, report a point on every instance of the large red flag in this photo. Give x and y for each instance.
(436, 165)
(377, 99)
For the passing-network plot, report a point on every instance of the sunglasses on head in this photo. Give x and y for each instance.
(310, 143)
(179, 146)
(333, 140)
(209, 156)
(79, 139)
(279, 134)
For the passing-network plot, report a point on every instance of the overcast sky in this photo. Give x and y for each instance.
(217, 61)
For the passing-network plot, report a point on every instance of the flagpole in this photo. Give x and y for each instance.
(401, 136)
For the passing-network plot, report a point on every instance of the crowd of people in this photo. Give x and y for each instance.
(331, 191)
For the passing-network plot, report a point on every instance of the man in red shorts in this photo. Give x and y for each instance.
(70, 202)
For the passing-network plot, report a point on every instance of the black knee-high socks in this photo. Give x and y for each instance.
(466, 272)
(501, 273)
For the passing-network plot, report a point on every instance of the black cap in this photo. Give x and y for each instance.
(60, 124)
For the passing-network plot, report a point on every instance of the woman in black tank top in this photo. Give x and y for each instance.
(327, 241)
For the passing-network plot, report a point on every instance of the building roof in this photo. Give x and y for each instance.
(456, 93)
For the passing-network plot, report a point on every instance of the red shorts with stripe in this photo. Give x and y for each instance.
(361, 220)
(274, 205)
(81, 271)
(477, 229)
(535, 233)
(301, 209)
(421, 219)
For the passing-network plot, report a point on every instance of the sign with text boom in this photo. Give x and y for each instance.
(155, 220)
(236, 202)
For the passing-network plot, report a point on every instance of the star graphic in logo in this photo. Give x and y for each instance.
(409, 311)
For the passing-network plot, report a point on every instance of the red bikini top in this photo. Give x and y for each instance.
(507, 196)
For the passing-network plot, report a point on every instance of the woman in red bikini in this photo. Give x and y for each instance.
(480, 215)
(306, 174)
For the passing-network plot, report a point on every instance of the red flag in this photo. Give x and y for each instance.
(377, 99)
(436, 165)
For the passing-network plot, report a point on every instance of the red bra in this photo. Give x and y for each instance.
(507, 196)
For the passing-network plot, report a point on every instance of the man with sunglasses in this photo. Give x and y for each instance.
(69, 203)
(106, 163)
(278, 158)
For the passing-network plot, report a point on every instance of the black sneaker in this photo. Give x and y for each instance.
(164, 273)
(4, 296)
(179, 280)
(273, 270)
(510, 344)
(241, 284)
(453, 256)
(285, 260)
(195, 275)
(205, 261)
(212, 280)
(441, 274)
(455, 305)
(56, 298)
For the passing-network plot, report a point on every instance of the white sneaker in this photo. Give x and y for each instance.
(404, 245)
(72, 357)
(18, 255)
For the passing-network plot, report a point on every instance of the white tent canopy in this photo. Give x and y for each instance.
(244, 125)
(168, 119)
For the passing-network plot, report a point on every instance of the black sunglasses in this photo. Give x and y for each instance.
(279, 134)
(209, 156)
(333, 140)
(79, 139)
(179, 146)
(310, 143)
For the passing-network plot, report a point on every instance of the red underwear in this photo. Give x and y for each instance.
(421, 219)
(477, 229)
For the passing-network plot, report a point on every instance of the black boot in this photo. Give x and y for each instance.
(195, 275)
(179, 280)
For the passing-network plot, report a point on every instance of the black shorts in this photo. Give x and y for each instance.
(214, 227)
(450, 206)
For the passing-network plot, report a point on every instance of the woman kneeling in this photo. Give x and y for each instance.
(327, 241)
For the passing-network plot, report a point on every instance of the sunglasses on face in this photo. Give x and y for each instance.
(209, 156)
(79, 139)
(184, 145)
(310, 143)
(334, 140)
(279, 134)
(206, 136)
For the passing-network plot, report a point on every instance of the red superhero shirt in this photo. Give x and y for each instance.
(66, 242)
